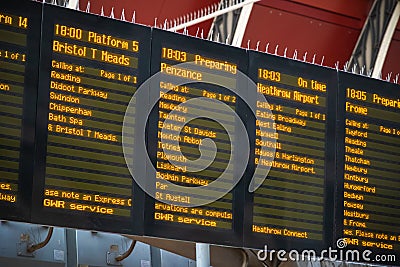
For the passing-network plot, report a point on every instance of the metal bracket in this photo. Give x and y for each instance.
(111, 259)
(112, 255)
(22, 249)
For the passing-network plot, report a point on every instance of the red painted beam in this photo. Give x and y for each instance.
(392, 63)
(316, 28)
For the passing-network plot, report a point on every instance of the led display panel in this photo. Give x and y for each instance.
(19, 55)
(90, 68)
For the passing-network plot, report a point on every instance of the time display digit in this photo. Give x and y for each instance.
(356, 94)
(66, 31)
(173, 54)
(269, 75)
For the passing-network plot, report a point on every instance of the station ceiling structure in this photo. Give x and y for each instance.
(347, 34)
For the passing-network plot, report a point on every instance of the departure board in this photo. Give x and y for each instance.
(212, 74)
(90, 68)
(19, 50)
(369, 160)
(291, 207)
(112, 126)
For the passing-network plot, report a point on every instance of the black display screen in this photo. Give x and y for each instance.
(368, 164)
(212, 74)
(292, 206)
(90, 68)
(19, 55)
